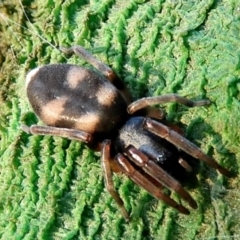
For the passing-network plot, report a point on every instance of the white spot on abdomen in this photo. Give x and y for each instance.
(52, 111)
(106, 95)
(76, 75)
(30, 76)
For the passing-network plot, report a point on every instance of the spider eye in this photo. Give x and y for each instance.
(161, 158)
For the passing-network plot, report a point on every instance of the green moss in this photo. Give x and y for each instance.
(53, 188)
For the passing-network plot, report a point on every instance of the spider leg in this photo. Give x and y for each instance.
(107, 173)
(59, 132)
(155, 171)
(143, 181)
(179, 141)
(145, 102)
(152, 112)
(102, 67)
(185, 165)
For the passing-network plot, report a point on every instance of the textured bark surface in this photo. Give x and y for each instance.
(52, 188)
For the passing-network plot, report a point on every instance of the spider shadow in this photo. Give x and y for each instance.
(216, 188)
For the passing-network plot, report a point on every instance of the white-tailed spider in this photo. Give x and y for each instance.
(95, 107)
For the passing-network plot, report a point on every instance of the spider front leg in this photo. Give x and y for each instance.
(102, 67)
(107, 173)
(180, 142)
(145, 181)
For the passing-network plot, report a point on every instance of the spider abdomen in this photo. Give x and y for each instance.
(71, 96)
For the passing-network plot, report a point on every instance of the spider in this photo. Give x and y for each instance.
(95, 107)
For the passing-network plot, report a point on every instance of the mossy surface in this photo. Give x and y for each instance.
(52, 188)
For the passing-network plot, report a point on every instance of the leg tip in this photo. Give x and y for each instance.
(25, 128)
(224, 171)
(65, 50)
(183, 210)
